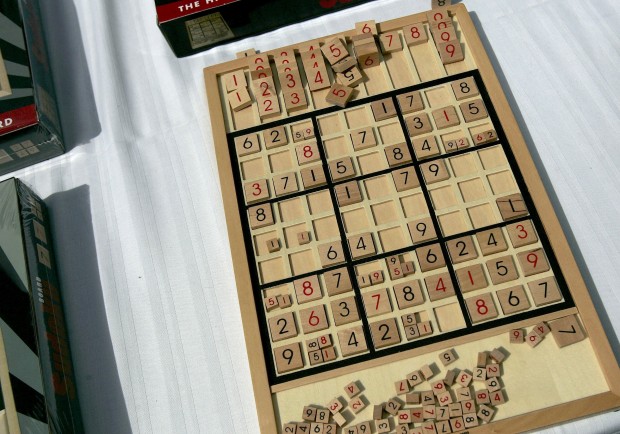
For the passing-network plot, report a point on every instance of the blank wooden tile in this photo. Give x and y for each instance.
(491, 241)
(450, 52)
(471, 278)
(513, 300)
(307, 152)
(288, 358)
(533, 262)
(418, 124)
(384, 333)
(341, 168)
(390, 42)
(545, 291)
(307, 289)
(405, 179)
(397, 154)
(313, 319)
(533, 338)
(410, 102)
(481, 308)
(502, 269)
(344, 64)
(421, 230)
(246, 145)
(430, 257)
(313, 176)
(256, 190)
(473, 110)
(483, 359)
(522, 233)
(274, 245)
(376, 302)
(352, 341)
(435, 171)
(383, 109)
(339, 419)
(425, 147)
(344, 311)
(567, 331)
(439, 286)
(448, 357)
(348, 193)
(408, 294)
(334, 50)
(362, 245)
(275, 137)
(285, 183)
(351, 77)
(260, 216)
(239, 99)
(363, 138)
(446, 117)
(415, 34)
(450, 377)
(283, 327)
(331, 254)
(337, 281)
(339, 95)
(465, 88)
(462, 249)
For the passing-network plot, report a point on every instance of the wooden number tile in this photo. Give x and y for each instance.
(288, 358)
(408, 294)
(502, 270)
(397, 155)
(450, 52)
(407, 268)
(367, 55)
(533, 262)
(405, 179)
(295, 99)
(384, 333)
(322, 416)
(274, 245)
(309, 414)
(268, 107)
(339, 95)
(264, 88)
(446, 117)
(482, 397)
(473, 110)
(352, 389)
(239, 99)
(315, 357)
(517, 336)
(337, 282)
(485, 413)
(394, 269)
(471, 278)
(363, 138)
(363, 281)
(401, 387)
(545, 291)
(284, 301)
(313, 319)
(421, 230)
(522, 234)
(366, 27)
(235, 80)
(462, 249)
(383, 109)
(412, 332)
(344, 311)
(352, 341)
(362, 245)
(425, 147)
(435, 171)
(415, 34)
(270, 303)
(331, 254)
(275, 137)
(485, 137)
(414, 378)
(430, 257)
(303, 237)
(246, 145)
(335, 406)
(533, 338)
(289, 79)
(513, 300)
(376, 277)
(344, 64)
(439, 286)
(443, 34)
(289, 428)
(282, 327)
(481, 308)
(348, 193)
(307, 289)
(334, 50)
(464, 393)
(436, 16)
(491, 241)
(410, 102)
(465, 88)
(313, 177)
(376, 302)
(383, 426)
(492, 383)
(542, 329)
(307, 152)
(448, 357)
(470, 420)
(256, 190)
(567, 331)
(341, 169)
(453, 145)
(390, 42)
(351, 77)
(457, 424)
(418, 124)
(285, 184)
(260, 216)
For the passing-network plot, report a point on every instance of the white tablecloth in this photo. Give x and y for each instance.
(138, 218)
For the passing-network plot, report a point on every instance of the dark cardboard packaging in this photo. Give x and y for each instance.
(36, 371)
(196, 25)
(29, 126)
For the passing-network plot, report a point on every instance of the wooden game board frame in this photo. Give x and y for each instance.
(5, 84)
(577, 299)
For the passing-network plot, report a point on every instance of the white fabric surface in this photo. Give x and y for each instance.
(138, 218)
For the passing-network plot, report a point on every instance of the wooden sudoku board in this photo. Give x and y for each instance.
(373, 237)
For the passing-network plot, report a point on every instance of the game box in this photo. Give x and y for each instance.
(36, 372)
(30, 129)
(400, 267)
(191, 26)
